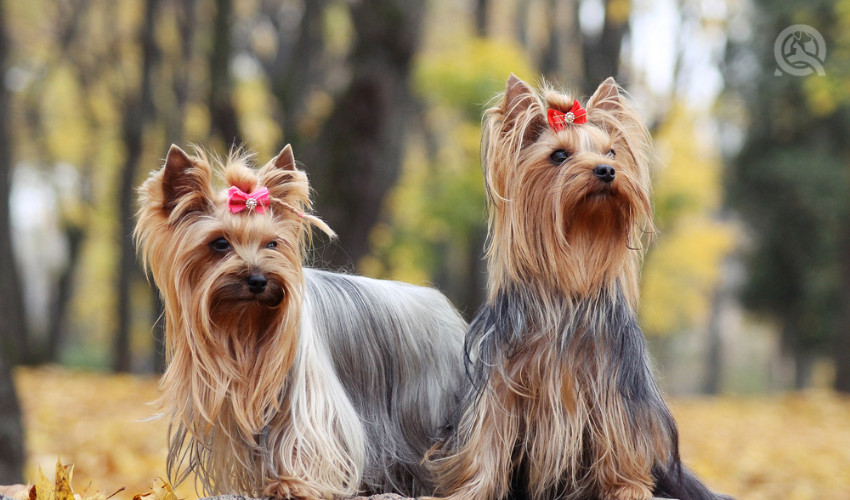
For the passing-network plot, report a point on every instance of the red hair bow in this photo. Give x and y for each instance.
(559, 120)
(256, 201)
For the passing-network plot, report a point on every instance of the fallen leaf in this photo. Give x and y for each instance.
(44, 488)
(161, 490)
(62, 485)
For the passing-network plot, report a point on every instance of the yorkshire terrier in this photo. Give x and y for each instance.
(562, 401)
(284, 380)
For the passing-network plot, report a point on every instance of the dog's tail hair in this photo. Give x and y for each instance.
(680, 483)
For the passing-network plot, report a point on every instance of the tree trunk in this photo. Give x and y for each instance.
(11, 430)
(714, 351)
(561, 60)
(462, 271)
(841, 337)
(356, 159)
(482, 17)
(521, 24)
(13, 327)
(804, 364)
(602, 55)
(174, 134)
(296, 68)
(136, 116)
(224, 121)
(14, 331)
(75, 235)
(475, 291)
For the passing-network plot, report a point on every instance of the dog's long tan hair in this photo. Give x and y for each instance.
(229, 359)
(562, 402)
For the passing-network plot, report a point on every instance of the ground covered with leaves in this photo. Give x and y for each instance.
(791, 447)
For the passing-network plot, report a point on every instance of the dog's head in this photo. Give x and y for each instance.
(568, 187)
(224, 243)
(230, 252)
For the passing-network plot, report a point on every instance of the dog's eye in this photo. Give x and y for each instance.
(220, 245)
(611, 153)
(559, 156)
(272, 244)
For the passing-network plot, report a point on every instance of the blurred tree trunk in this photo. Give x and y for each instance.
(14, 331)
(561, 60)
(11, 430)
(522, 24)
(356, 159)
(13, 324)
(804, 366)
(75, 235)
(714, 351)
(841, 339)
(175, 132)
(223, 119)
(136, 115)
(482, 17)
(185, 12)
(802, 359)
(602, 53)
(297, 66)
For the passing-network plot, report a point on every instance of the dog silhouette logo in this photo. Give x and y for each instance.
(800, 50)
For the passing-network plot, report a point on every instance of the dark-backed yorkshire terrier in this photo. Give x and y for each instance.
(562, 401)
(284, 380)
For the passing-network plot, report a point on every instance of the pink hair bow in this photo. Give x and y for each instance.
(558, 120)
(256, 201)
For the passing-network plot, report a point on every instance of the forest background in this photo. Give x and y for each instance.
(745, 291)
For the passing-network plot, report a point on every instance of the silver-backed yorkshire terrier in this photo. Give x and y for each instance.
(562, 402)
(284, 380)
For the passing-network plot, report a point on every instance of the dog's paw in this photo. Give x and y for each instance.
(629, 492)
(294, 489)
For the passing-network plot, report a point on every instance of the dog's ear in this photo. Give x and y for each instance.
(518, 98)
(283, 179)
(285, 160)
(607, 96)
(185, 183)
(522, 111)
(289, 188)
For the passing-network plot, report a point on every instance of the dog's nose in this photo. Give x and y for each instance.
(256, 283)
(604, 172)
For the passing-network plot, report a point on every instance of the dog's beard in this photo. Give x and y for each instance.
(250, 325)
(604, 215)
(233, 301)
(242, 344)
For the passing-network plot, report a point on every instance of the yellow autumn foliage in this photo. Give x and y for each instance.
(61, 488)
(682, 269)
(681, 273)
(160, 490)
(101, 424)
(45, 489)
(788, 447)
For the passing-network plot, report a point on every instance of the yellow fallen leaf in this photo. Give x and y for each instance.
(161, 490)
(62, 484)
(44, 488)
(97, 496)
